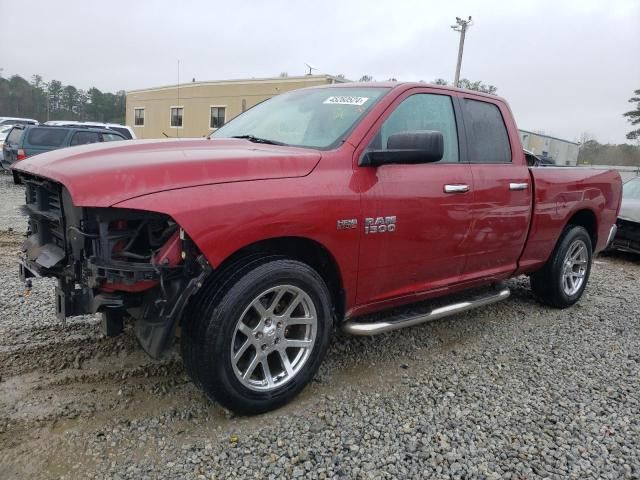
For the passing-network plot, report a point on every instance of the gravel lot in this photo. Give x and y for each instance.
(514, 390)
(11, 197)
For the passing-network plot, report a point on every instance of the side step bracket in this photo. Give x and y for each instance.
(420, 314)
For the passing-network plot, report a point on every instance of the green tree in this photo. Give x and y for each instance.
(20, 98)
(95, 105)
(54, 93)
(470, 85)
(478, 86)
(83, 98)
(366, 78)
(55, 101)
(70, 100)
(633, 116)
(593, 153)
(39, 97)
(4, 96)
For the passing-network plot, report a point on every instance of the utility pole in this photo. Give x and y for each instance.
(460, 26)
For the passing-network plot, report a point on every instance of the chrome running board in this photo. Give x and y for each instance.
(362, 327)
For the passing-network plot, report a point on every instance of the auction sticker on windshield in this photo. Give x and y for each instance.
(344, 100)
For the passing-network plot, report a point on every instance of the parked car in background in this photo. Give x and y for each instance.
(4, 131)
(628, 236)
(24, 141)
(124, 130)
(18, 121)
(534, 160)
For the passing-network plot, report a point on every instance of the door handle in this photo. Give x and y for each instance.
(518, 186)
(456, 188)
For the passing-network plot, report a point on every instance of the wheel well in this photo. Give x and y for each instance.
(304, 250)
(587, 219)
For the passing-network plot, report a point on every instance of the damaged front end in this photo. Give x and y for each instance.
(116, 261)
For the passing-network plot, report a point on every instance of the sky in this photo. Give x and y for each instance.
(567, 67)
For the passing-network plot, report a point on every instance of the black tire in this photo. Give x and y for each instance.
(210, 324)
(547, 283)
(217, 284)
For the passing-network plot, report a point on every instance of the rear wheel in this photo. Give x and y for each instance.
(563, 279)
(254, 343)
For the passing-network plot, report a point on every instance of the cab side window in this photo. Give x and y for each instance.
(486, 133)
(423, 111)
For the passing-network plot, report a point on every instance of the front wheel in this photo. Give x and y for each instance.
(563, 279)
(253, 343)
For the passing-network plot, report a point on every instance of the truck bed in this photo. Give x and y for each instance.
(561, 193)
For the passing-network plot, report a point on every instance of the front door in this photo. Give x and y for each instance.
(416, 217)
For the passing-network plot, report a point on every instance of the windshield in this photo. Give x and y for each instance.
(314, 118)
(631, 189)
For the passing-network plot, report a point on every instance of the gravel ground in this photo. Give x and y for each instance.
(513, 390)
(11, 197)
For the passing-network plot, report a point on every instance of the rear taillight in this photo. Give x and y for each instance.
(21, 154)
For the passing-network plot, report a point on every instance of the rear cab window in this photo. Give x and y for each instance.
(46, 137)
(487, 137)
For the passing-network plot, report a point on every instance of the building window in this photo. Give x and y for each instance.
(138, 117)
(176, 116)
(217, 117)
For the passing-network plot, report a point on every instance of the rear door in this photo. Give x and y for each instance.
(502, 189)
(416, 217)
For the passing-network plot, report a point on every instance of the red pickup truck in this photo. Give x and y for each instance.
(316, 209)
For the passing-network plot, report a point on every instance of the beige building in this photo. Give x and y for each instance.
(562, 152)
(196, 109)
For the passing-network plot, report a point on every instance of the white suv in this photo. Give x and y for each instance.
(18, 121)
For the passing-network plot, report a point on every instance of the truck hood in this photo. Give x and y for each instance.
(630, 210)
(101, 175)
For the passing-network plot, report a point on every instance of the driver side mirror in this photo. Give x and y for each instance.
(422, 146)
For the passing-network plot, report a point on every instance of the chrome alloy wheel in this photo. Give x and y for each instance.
(574, 267)
(274, 337)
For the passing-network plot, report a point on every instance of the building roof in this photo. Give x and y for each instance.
(547, 136)
(241, 81)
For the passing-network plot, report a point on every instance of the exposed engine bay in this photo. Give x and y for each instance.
(117, 261)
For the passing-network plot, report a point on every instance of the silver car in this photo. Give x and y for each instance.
(628, 236)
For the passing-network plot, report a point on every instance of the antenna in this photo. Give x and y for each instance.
(311, 68)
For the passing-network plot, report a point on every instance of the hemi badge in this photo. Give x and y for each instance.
(347, 224)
